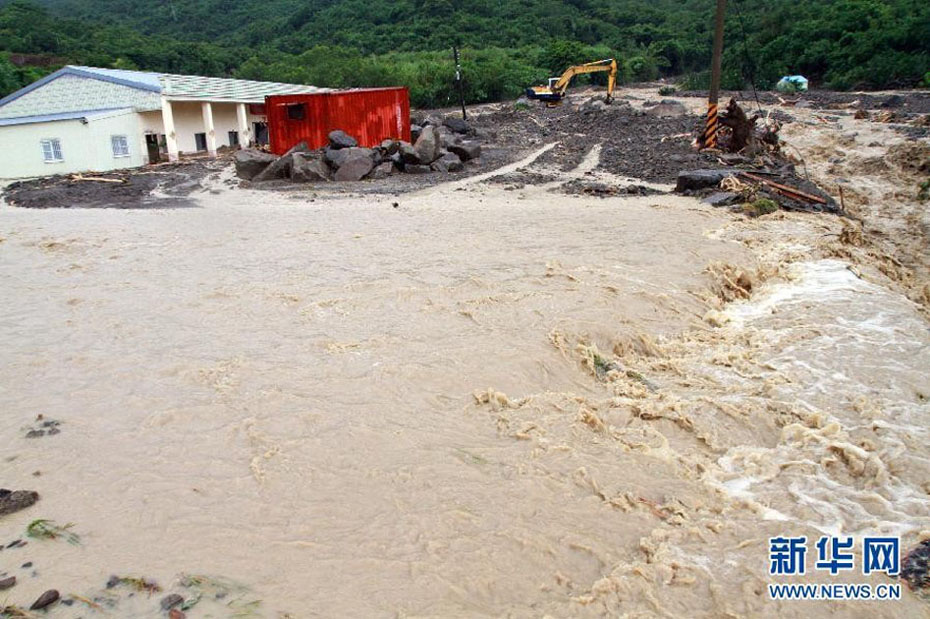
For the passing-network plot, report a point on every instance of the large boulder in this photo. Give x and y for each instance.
(448, 162)
(251, 163)
(722, 198)
(448, 139)
(429, 145)
(415, 131)
(356, 166)
(456, 124)
(300, 147)
(692, 180)
(336, 158)
(408, 154)
(340, 139)
(466, 150)
(279, 168)
(308, 169)
(416, 169)
(382, 171)
(389, 147)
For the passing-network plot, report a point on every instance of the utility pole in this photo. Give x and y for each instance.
(458, 81)
(710, 129)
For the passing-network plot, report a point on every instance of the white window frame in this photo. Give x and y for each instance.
(53, 154)
(122, 152)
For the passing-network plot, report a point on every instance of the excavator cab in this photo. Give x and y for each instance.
(553, 93)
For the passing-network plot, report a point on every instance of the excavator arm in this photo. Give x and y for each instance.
(553, 93)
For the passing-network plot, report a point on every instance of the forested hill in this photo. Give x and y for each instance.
(508, 44)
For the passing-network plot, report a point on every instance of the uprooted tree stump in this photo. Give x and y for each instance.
(745, 136)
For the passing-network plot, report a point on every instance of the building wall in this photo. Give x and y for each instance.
(188, 120)
(85, 148)
(70, 93)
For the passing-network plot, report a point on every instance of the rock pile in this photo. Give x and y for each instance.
(439, 145)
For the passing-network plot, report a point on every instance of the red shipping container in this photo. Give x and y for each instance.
(369, 115)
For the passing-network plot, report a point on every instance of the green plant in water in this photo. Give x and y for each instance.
(139, 584)
(219, 589)
(665, 91)
(47, 529)
(759, 207)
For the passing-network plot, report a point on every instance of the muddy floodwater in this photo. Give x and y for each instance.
(478, 402)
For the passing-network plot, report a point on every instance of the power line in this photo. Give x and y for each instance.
(749, 62)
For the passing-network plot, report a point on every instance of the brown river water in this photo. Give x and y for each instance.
(480, 403)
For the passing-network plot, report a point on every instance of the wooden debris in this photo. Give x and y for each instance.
(97, 179)
(785, 190)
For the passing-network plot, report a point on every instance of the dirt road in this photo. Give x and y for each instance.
(491, 399)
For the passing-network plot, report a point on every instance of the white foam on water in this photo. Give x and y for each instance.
(840, 340)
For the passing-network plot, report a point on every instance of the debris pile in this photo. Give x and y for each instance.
(755, 192)
(745, 136)
(163, 185)
(604, 190)
(439, 145)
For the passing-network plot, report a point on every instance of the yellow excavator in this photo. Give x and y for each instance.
(555, 91)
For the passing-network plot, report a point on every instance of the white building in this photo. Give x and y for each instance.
(86, 119)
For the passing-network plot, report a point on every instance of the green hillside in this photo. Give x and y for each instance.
(508, 44)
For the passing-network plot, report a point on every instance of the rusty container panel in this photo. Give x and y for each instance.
(369, 115)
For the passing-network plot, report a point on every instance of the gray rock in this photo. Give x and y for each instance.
(892, 101)
(690, 180)
(46, 599)
(433, 120)
(521, 101)
(170, 601)
(12, 501)
(250, 163)
(408, 153)
(449, 162)
(389, 147)
(355, 167)
(337, 158)
(415, 131)
(382, 171)
(306, 168)
(280, 168)
(466, 150)
(456, 124)
(6, 583)
(428, 145)
(300, 147)
(667, 108)
(721, 198)
(803, 104)
(450, 139)
(340, 139)
(412, 168)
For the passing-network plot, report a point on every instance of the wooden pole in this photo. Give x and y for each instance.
(710, 129)
(458, 81)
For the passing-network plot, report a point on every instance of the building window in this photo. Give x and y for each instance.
(297, 111)
(120, 145)
(51, 150)
(200, 139)
(234, 138)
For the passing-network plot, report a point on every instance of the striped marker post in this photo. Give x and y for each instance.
(710, 127)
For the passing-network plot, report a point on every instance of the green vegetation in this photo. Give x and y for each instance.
(47, 529)
(760, 206)
(507, 45)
